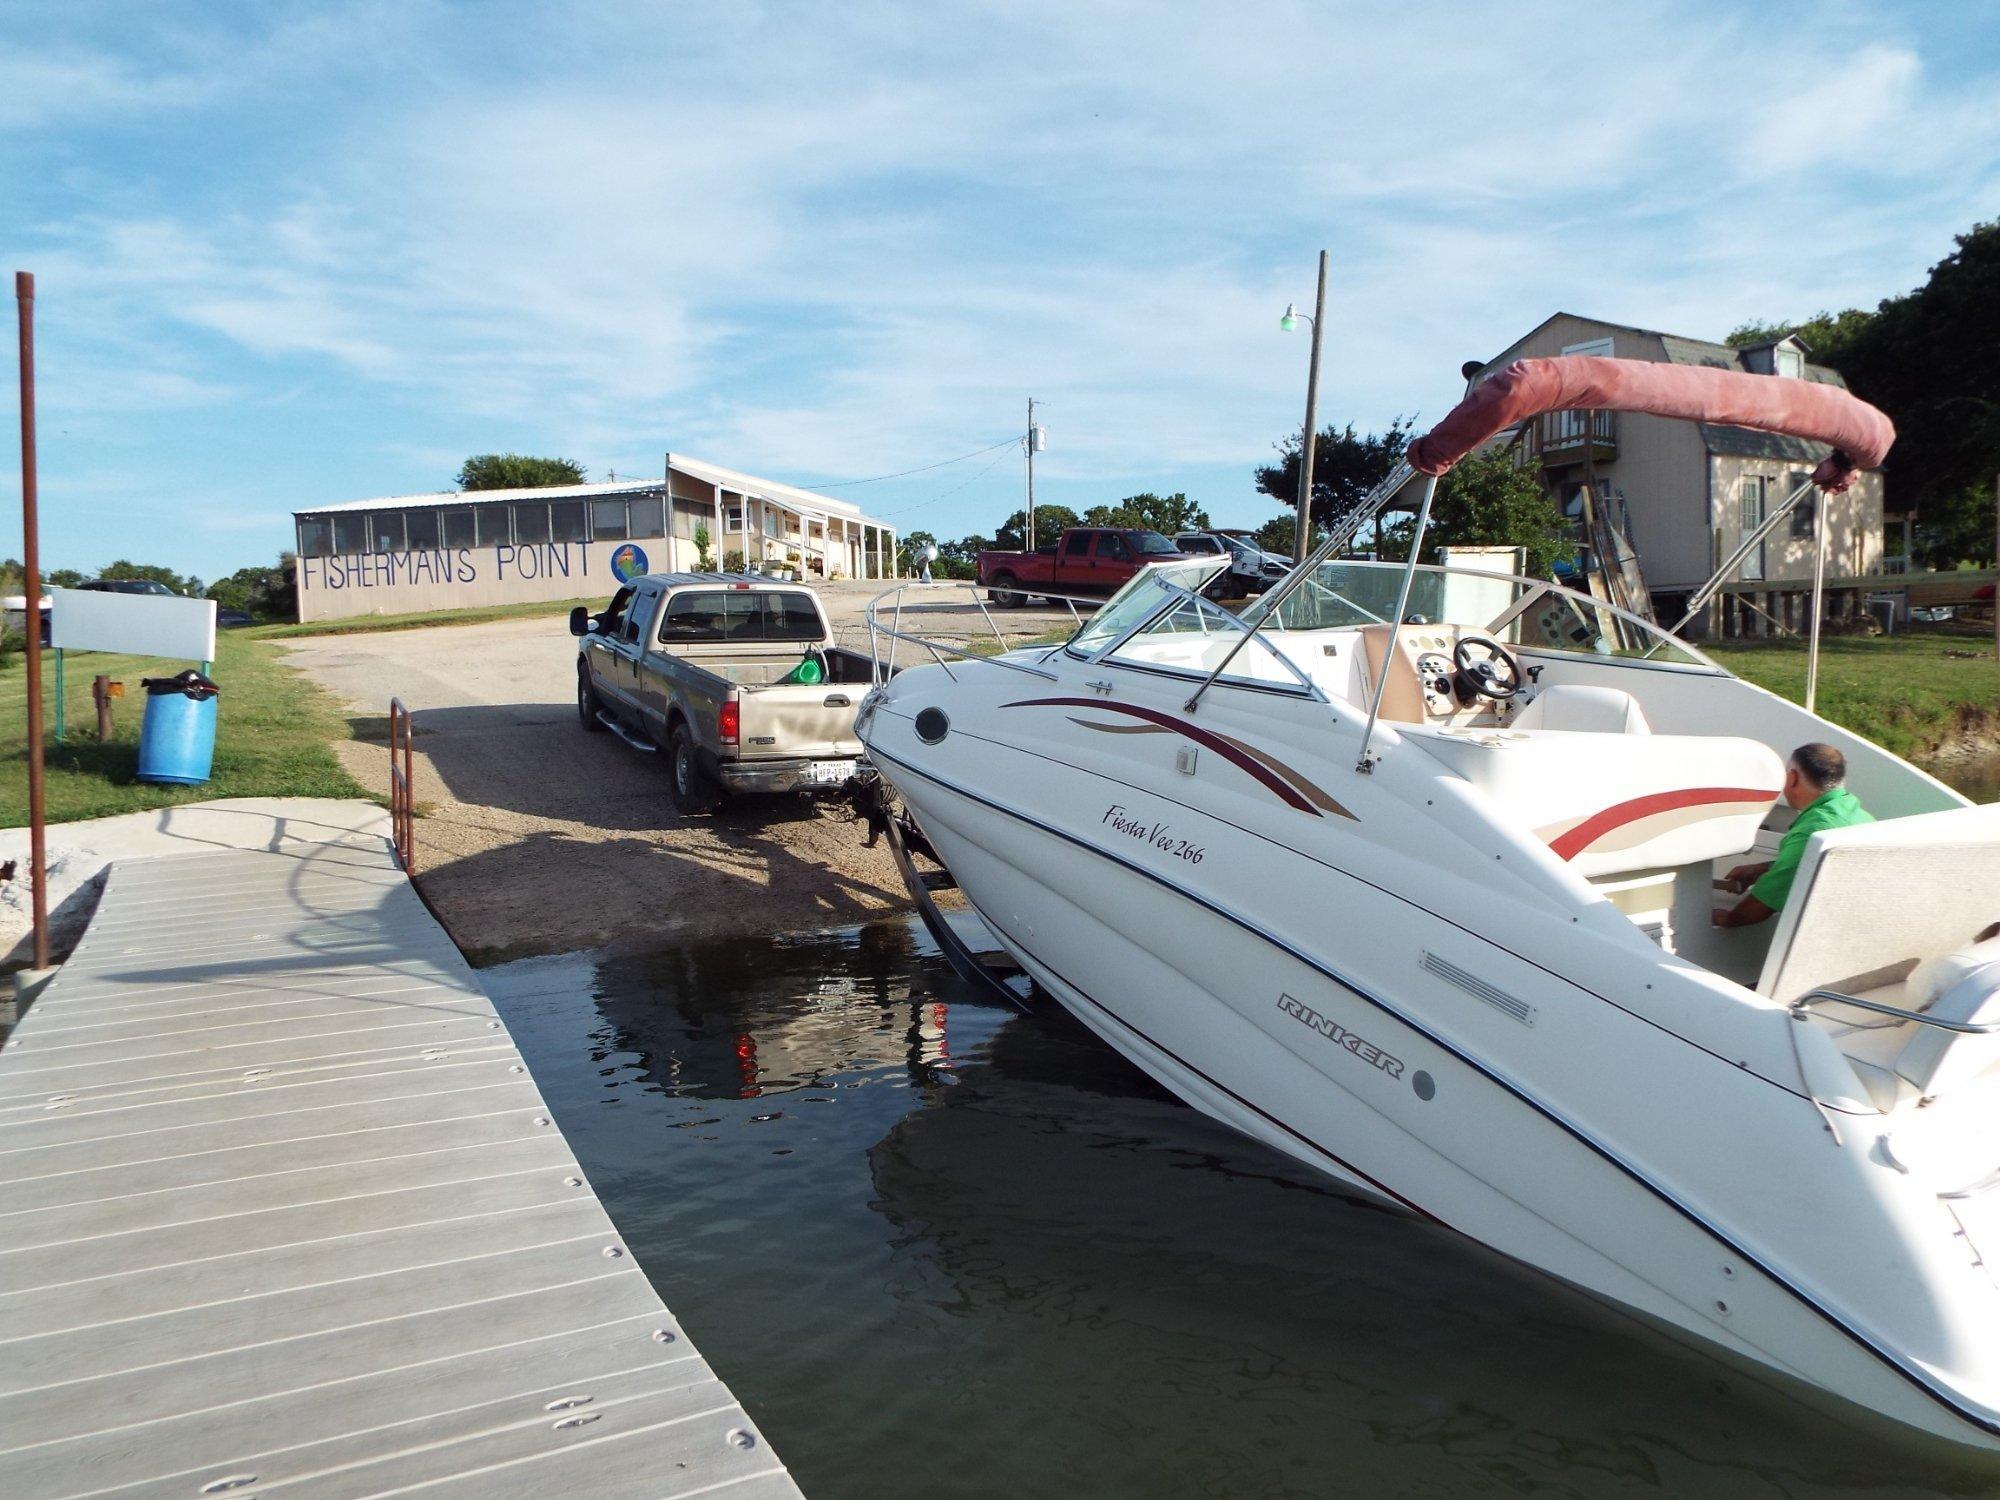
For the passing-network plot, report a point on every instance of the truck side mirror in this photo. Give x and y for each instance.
(579, 621)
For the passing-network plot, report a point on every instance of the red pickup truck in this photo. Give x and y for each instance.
(1083, 560)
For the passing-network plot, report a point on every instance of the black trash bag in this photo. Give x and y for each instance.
(190, 684)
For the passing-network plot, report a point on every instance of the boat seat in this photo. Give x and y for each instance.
(1960, 986)
(1574, 706)
(1612, 804)
(1887, 896)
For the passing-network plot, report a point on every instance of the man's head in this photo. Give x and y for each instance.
(1812, 771)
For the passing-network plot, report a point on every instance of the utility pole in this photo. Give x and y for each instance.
(31, 565)
(1034, 442)
(1309, 442)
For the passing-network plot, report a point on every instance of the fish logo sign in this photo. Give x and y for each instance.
(628, 562)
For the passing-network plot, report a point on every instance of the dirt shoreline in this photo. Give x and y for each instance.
(535, 837)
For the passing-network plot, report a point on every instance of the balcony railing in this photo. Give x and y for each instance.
(1563, 437)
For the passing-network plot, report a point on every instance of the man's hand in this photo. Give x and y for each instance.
(1743, 877)
(1746, 913)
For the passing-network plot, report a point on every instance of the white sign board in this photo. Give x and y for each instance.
(136, 624)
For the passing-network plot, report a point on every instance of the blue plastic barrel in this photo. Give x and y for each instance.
(177, 736)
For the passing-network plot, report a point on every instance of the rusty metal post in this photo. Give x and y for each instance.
(31, 563)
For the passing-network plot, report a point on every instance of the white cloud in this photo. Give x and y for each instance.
(842, 240)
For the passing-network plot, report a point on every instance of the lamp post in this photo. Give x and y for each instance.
(1302, 528)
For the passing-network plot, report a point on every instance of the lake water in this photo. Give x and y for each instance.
(939, 1247)
(1978, 777)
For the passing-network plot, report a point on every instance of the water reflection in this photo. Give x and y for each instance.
(1978, 777)
(942, 1248)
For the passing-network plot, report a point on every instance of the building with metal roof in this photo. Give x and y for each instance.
(1687, 493)
(462, 549)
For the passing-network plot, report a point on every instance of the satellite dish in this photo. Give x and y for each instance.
(929, 553)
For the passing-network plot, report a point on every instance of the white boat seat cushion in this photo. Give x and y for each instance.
(1611, 804)
(1934, 1060)
(1573, 706)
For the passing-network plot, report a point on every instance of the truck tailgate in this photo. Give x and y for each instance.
(788, 719)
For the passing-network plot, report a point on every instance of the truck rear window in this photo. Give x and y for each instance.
(729, 615)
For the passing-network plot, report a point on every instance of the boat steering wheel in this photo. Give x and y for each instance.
(1496, 674)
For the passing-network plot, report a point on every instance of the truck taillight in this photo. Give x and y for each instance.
(729, 722)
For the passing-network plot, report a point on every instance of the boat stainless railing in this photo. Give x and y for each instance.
(893, 630)
(1801, 1008)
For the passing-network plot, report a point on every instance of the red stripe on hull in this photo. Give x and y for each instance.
(1194, 732)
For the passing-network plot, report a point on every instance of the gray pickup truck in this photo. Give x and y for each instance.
(736, 679)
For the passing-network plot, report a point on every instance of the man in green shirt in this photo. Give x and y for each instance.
(1815, 785)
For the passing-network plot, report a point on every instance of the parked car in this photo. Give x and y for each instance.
(127, 586)
(737, 680)
(1251, 568)
(1083, 560)
(232, 619)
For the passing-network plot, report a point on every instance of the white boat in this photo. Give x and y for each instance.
(1408, 872)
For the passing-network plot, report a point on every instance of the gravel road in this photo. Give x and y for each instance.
(539, 838)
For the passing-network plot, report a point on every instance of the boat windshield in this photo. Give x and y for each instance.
(1517, 611)
(1143, 595)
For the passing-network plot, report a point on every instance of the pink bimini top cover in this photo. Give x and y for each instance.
(1860, 434)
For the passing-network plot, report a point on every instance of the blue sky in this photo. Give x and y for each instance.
(295, 253)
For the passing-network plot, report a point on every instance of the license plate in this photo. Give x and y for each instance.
(830, 772)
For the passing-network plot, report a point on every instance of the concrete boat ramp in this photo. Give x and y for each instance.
(283, 1213)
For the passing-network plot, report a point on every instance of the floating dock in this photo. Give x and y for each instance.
(282, 1212)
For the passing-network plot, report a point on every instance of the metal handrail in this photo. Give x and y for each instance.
(895, 632)
(1802, 1007)
(402, 782)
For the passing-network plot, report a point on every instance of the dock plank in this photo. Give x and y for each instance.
(281, 1206)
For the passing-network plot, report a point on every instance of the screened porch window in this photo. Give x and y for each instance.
(607, 520)
(531, 521)
(567, 521)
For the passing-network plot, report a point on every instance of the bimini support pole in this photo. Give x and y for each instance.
(1366, 765)
(1343, 531)
(1698, 600)
(1818, 602)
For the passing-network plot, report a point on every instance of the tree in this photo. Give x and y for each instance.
(190, 585)
(1830, 336)
(1275, 535)
(1051, 521)
(514, 471)
(963, 554)
(1488, 501)
(270, 592)
(1165, 514)
(704, 558)
(1930, 361)
(1346, 466)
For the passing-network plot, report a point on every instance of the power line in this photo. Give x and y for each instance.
(924, 469)
(957, 487)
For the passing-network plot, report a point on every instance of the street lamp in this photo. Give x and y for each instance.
(1302, 527)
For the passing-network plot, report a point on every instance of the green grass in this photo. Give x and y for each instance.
(363, 624)
(1905, 692)
(274, 734)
